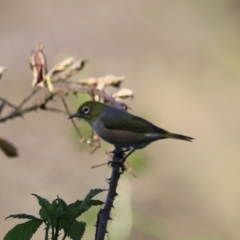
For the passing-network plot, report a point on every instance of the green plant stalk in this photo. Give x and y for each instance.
(49, 83)
(52, 229)
(57, 229)
(47, 230)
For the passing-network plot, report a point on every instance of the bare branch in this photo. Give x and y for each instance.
(72, 120)
(26, 99)
(8, 103)
(21, 112)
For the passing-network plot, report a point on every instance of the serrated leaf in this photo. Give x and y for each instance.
(86, 202)
(93, 193)
(23, 216)
(76, 212)
(63, 205)
(76, 231)
(75, 209)
(55, 206)
(75, 204)
(79, 207)
(45, 212)
(23, 231)
(96, 202)
(64, 210)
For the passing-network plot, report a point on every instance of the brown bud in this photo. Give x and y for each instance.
(8, 148)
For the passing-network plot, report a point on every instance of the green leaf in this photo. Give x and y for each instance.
(63, 210)
(55, 207)
(75, 209)
(86, 203)
(63, 206)
(45, 212)
(23, 216)
(94, 192)
(23, 231)
(75, 204)
(96, 202)
(76, 231)
(79, 207)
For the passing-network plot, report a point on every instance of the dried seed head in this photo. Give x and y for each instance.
(123, 93)
(62, 66)
(39, 66)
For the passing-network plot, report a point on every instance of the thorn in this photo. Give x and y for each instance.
(108, 180)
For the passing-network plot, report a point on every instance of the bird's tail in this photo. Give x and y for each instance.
(179, 136)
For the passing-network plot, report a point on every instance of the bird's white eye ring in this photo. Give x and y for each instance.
(86, 109)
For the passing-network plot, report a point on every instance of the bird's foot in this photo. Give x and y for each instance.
(121, 154)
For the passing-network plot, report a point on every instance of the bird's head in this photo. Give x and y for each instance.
(89, 111)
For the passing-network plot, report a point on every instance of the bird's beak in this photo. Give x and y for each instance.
(75, 115)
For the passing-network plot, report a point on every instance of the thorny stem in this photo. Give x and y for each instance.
(46, 232)
(104, 214)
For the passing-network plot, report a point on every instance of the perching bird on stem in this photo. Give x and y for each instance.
(122, 129)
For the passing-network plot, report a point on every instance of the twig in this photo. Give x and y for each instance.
(26, 99)
(56, 110)
(100, 165)
(73, 122)
(20, 113)
(96, 147)
(8, 103)
(2, 105)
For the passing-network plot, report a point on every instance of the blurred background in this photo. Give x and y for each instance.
(181, 59)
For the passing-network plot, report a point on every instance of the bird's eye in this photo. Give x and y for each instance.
(86, 109)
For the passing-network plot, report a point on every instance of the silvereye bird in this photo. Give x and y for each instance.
(122, 129)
